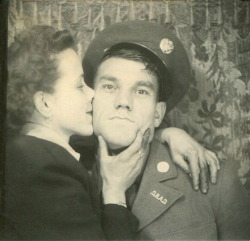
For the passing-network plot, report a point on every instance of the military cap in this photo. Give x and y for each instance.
(154, 38)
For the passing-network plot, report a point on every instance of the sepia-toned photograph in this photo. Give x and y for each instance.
(125, 120)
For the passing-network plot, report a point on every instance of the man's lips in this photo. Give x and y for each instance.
(121, 118)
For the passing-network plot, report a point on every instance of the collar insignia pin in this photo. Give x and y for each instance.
(163, 167)
(159, 197)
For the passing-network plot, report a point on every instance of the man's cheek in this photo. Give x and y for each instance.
(144, 123)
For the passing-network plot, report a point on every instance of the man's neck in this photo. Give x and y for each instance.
(115, 152)
(145, 156)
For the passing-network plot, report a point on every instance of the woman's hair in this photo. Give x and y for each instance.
(32, 67)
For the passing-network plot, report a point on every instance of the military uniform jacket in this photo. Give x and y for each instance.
(169, 209)
(49, 196)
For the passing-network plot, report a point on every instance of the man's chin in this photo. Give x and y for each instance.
(117, 138)
(115, 151)
(118, 145)
(118, 142)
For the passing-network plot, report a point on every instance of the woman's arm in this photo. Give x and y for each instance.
(190, 156)
(118, 174)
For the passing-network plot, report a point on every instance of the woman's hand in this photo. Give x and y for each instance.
(190, 156)
(119, 172)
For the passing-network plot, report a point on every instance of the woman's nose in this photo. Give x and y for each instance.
(90, 93)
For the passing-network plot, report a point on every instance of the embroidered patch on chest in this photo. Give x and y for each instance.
(160, 198)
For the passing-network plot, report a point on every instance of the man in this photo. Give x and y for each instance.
(37, 209)
(139, 71)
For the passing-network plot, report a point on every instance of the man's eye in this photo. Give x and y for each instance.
(142, 92)
(108, 87)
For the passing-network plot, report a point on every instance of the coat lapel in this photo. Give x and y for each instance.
(154, 196)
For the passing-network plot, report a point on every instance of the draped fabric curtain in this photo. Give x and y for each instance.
(215, 33)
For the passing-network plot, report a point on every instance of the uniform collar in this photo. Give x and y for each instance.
(158, 160)
(155, 195)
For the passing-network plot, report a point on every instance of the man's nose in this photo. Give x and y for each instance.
(123, 100)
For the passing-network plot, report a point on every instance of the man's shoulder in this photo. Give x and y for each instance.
(162, 152)
(159, 150)
(226, 177)
(226, 201)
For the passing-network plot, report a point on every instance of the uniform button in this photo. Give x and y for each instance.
(162, 167)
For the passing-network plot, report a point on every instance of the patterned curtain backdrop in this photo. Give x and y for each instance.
(215, 33)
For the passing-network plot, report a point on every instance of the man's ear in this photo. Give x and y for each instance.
(159, 113)
(42, 103)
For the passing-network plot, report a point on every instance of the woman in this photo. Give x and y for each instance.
(49, 193)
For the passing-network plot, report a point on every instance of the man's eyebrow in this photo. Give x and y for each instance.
(147, 84)
(108, 77)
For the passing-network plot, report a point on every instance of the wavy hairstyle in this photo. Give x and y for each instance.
(32, 67)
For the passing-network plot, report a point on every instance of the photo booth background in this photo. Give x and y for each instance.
(215, 34)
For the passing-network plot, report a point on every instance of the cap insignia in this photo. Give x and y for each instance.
(166, 46)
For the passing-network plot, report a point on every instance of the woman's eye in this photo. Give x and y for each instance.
(80, 86)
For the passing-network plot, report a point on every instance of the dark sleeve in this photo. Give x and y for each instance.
(233, 218)
(47, 199)
(119, 223)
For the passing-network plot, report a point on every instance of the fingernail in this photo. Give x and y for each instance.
(204, 190)
(214, 180)
(196, 186)
(145, 138)
(147, 133)
(139, 132)
(100, 138)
